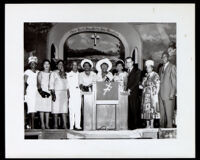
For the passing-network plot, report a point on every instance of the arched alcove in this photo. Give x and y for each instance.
(94, 30)
(83, 45)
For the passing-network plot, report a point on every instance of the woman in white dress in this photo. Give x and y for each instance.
(60, 93)
(121, 75)
(87, 77)
(44, 99)
(31, 92)
(103, 67)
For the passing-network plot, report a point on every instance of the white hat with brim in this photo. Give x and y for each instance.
(149, 63)
(86, 60)
(32, 59)
(102, 61)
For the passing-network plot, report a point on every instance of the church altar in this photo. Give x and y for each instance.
(105, 108)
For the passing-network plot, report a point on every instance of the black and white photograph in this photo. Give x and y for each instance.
(102, 81)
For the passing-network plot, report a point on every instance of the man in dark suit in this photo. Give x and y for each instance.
(167, 92)
(134, 75)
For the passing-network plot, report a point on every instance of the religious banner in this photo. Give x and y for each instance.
(107, 92)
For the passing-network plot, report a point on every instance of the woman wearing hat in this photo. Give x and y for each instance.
(150, 86)
(87, 77)
(121, 75)
(31, 92)
(103, 67)
(60, 93)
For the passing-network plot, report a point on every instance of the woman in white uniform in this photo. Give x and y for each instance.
(75, 97)
(60, 93)
(44, 99)
(103, 67)
(31, 92)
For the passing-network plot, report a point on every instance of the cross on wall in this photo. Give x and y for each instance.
(95, 37)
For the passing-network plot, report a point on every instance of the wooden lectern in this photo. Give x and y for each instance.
(105, 108)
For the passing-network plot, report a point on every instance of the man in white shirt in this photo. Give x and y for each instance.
(75, 97)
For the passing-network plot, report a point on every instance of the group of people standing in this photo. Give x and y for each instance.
(49, 91)
(58, 92)
(158, 94)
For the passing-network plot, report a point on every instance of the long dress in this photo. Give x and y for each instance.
(60, 85)
(44, 104)
(74, 100)
(31, 90)
(122, 79)
(150, 107)
(109, 75)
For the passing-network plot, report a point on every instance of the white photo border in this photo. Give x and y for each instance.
(181, 14)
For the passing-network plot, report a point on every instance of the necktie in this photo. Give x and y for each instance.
(129, 71)
(163, 69)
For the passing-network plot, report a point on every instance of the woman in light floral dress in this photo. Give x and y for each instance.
(150, 86)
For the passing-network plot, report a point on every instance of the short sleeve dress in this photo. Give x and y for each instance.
(60, 85)
(31, 90)
(44, 104)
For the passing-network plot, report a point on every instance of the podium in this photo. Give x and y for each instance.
(105, 107)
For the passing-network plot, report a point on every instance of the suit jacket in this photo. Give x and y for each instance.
(167, 81)
(133, 80)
